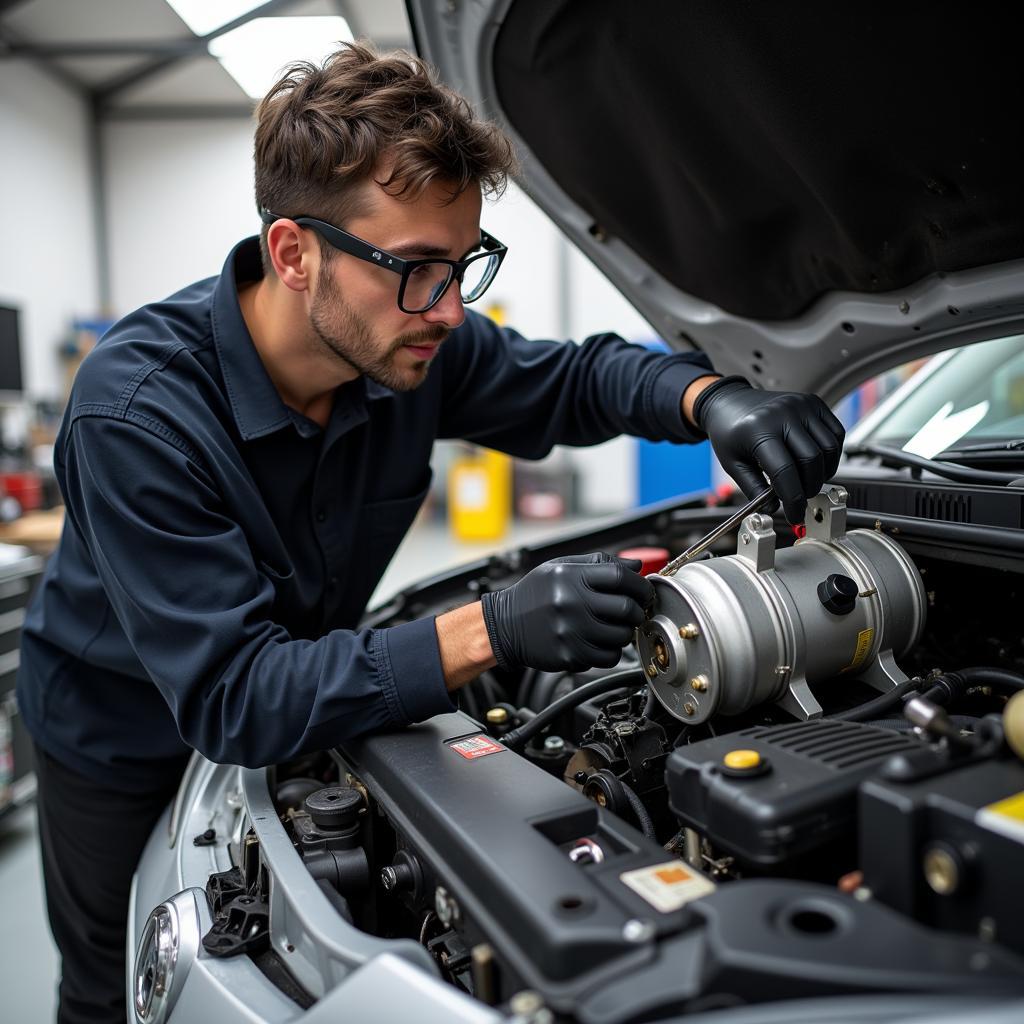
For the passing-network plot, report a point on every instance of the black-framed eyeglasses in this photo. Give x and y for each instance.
(424, 281)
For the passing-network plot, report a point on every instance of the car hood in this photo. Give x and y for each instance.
(810, 193)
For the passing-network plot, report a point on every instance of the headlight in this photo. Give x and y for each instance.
(169, 943)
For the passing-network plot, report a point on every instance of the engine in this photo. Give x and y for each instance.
(792, 749)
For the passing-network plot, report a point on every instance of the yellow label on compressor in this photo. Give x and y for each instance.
(865, 638)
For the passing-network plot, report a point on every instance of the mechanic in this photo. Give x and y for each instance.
(240, 461)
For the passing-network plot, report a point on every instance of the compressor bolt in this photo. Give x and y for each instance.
(660, 652)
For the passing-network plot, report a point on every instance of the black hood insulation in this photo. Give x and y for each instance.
(759, 155)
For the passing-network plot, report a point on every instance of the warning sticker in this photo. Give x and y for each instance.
(476, 746)
(864, 640)
(668, 886)
(1005, 816)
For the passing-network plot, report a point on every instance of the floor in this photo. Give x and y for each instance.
(28, 960)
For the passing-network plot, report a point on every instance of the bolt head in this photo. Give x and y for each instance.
(689, 631)
(525, 1003)
(636, 930)
(699, 683)
(941, 871)
(445, 907)
(689, 709)
(661, 652)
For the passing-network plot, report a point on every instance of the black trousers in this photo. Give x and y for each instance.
(92, 838)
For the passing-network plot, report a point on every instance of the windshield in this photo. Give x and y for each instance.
(969, 396)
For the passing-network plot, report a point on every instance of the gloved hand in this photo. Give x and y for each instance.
(793, 439)
(568, 614)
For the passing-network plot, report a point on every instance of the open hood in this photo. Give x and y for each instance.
(810, 193)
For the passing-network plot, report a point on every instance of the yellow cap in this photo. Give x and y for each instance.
(1013, 724)
(497, 716)
(742, 759)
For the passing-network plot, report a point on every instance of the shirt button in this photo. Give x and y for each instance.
(321, 516)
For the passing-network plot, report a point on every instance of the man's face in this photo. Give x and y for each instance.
(354, 310)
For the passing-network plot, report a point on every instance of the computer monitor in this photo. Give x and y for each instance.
(11, 383)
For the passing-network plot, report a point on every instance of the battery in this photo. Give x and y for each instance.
(947, 850)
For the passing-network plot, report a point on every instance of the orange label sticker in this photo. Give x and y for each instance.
(667, 887)
(673, 875)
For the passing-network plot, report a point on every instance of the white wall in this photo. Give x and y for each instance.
(178, 197)
(48, 256)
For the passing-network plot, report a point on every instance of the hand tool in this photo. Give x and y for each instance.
(720, 530)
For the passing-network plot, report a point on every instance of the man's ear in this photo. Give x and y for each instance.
(294, 253)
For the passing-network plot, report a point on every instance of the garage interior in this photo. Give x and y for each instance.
(122, 120)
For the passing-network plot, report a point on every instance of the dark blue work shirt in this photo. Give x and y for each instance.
(219, 548)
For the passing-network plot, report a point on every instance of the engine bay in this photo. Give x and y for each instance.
(805, 777)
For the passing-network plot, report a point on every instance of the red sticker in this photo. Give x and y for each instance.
(476, 746)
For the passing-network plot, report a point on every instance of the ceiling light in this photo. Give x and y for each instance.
(255, 53)
(203, 16)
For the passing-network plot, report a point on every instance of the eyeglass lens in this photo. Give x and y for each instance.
(426, 283)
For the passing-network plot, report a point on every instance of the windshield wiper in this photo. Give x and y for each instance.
(959, 474)
(1002, 445)
(988, 451)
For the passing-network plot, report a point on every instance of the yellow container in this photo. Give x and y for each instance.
(480, 495)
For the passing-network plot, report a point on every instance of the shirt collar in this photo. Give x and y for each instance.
(258, 408)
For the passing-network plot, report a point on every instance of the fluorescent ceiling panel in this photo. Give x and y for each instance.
(255, 53)
(203, 16)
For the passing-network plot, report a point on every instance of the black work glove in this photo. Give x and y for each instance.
(568, 614)
(792, 438)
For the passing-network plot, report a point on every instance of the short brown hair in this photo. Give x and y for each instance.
(323, 131)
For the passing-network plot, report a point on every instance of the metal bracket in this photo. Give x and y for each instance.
(799, 701)
(756, 542)
(826, 514)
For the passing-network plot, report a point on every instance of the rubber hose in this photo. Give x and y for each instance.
(997, 678)
(874, 708)
(651, 706)
(646, 825)
(616, 681)
(946, 689)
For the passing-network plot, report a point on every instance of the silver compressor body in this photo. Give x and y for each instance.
(728, 633)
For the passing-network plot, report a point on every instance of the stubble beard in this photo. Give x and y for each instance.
(348, 336)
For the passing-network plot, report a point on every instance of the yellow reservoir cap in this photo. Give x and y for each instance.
(497, 716)
(742, 759)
